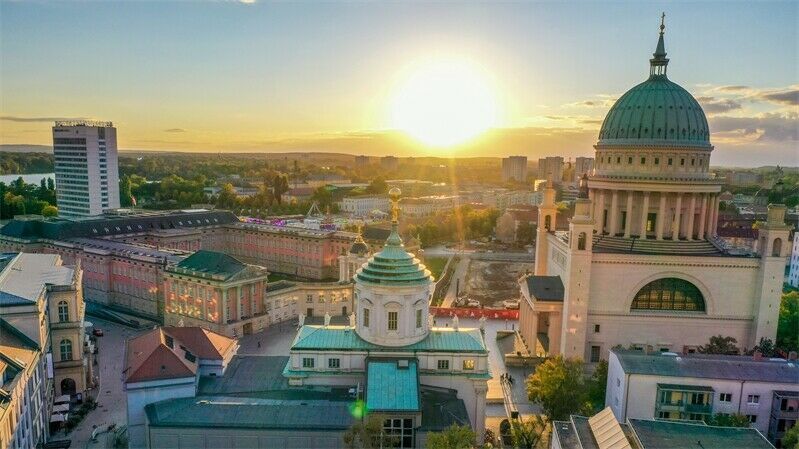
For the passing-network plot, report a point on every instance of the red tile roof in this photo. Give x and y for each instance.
(201, 342)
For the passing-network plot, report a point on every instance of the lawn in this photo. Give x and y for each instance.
(436, 265)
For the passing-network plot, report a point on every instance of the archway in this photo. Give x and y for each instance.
(68, 386)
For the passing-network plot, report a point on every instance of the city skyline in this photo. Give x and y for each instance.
(231, 77)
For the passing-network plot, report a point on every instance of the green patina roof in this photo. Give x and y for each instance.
(394, 266)
(344, 338)
(217, 266)
(678, 435)
(390, 387)
(656, 112)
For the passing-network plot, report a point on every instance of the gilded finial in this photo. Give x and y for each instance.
(662, 22)
(394, 195)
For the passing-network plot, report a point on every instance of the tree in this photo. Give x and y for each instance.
(50, 211)
(719, 344)
(558, 386)
(727, 420)
(597, 386)
(368, 433)
(453, 437)
(377, 186)
(280, 185)
(766, 347)
(791, 438)
(788, 324)
(527, 434)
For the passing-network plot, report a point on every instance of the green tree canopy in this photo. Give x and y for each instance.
(791, 438)
(49, 211)
(453, 437)
(727, 420)
(527, 434)
(788, 324)
(558, 385)
(368, 434)
(719, 344)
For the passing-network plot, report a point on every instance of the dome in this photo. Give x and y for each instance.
(394, 266)
(656, 112)
(359, 247)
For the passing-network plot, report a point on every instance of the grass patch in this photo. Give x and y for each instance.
(436, 265)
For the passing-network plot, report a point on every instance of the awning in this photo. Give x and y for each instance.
(61, 408)
(64, 398)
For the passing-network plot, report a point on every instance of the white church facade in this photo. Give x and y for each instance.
(641, 264)
(418, 377)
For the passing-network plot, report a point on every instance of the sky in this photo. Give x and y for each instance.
(227, 76)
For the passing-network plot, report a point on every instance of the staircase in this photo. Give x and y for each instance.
(611, 244)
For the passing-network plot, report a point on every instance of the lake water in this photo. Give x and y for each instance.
(29, 179)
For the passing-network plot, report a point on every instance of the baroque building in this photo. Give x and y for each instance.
(641, 264)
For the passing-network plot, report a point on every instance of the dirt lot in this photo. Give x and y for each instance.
(493, 282)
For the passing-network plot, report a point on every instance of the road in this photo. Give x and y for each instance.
(458, 278)
(111, 397)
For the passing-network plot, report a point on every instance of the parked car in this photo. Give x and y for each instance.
(473, 303)
(97, 332)
(511, 303)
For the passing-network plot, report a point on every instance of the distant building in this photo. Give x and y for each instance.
(389, 162)
(324, 179)
(298, 195)
(582, 166)
(363, 205)
(793, 273)
(744, 178)
(428, 205)
(693, 387)
(551, 168)
(167, 363)
(514, 168)
(508, 223)
(86, 170)
(361, 161)
(601, 431)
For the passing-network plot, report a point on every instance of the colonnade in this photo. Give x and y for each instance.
(669, 215)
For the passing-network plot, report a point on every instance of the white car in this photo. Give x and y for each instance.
(473, 303)
(511, 303)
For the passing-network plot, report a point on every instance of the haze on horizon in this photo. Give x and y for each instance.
(538, 77)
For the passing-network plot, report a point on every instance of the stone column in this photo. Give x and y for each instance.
(239, 304)
(644, 215)
(599, 216)
(614, 213)
(554, 333)
(223, 306)
(702, 217)
(675, 231)
(661, 220)
(532, 325)
(691, 210)
(714, 228)
(628, 216)
(711, 201)
(478, 420)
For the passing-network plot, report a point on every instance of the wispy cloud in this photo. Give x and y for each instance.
(788, 97)
(712, 105)
(14, 118)
(769, 127)
(737, 88)
(175, 130)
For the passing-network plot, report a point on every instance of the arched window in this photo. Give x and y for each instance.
(669, 294)
(63, 311)
(581, 241)
(547, 222)
(66, 349)
(776, 247)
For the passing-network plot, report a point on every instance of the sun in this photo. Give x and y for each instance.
(444, 103)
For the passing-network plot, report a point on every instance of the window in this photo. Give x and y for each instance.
(468, 364)
(725, 397)
(752, 418)
(66, 349)
(595, 354)
(671, 294)
(333, 363)
(630, 160)
(670, 161)
(596, 328)
(419, 318)
(63, 311)
(307, 362)
(309, 298)
(682, 162)
(657, 161)
(365, 317)
(643, 160)
(753, 399)
(392, 321)
(443, 364)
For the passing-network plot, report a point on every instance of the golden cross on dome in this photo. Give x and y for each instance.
(662, 22)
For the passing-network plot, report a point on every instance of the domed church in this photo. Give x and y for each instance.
(420, 378)
(641, 264)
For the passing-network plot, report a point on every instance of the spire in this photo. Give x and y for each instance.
(657, 65)
(394, 239)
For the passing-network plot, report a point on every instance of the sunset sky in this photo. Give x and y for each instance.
(229, 76)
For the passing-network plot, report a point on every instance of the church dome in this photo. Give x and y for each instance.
(394, 266)
(657, 112)
(359, 247)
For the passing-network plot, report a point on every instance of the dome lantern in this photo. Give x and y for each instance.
(659, 62)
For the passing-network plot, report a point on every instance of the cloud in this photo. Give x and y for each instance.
(712, 105)
(13, 118)
(175, 130)
(737, 88)
(606, 102)
(769, 127)
(788, 97)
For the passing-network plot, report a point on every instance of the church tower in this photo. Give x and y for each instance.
(547, 214)
(773, 247)
(392, 292)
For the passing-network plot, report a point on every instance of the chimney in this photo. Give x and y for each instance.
(758, 356)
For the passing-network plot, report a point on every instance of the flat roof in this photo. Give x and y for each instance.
(661, 434)
(730, 367)
(344, 338)
(23, 279)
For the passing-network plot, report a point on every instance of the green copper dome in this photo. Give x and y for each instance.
(656, 112)
(394, 266)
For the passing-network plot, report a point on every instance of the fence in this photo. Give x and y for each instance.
(466, 312)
